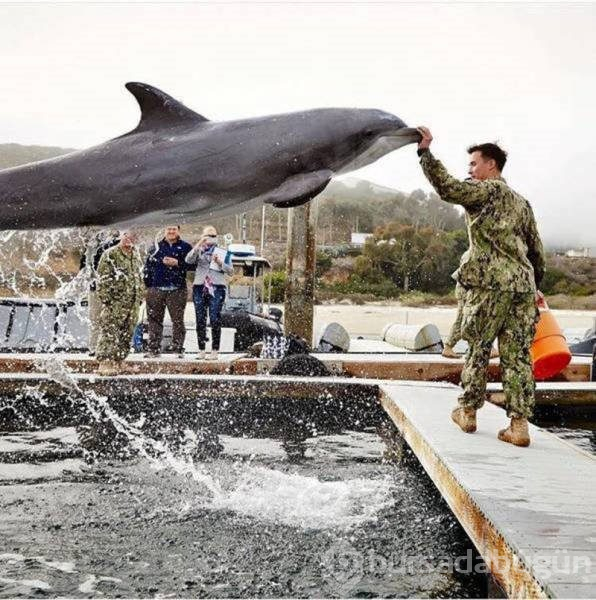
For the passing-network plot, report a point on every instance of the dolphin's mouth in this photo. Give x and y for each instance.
(411, 134)
(383, 145)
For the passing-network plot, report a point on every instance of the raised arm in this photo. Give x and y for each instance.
(194, 255)
(450, 189)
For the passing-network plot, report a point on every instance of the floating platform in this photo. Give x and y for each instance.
(553, 393)
(529, 511)
(374, 365)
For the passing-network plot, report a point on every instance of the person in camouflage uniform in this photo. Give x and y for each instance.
(119, 287)
(500, 276)
(455, 333)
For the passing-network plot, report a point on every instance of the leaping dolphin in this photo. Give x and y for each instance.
(177, 166)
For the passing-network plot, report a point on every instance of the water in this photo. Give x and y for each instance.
(574, 424)
(311, 516)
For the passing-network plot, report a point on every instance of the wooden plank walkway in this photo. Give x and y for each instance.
(529, 511)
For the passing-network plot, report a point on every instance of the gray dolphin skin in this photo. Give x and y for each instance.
(177, 166)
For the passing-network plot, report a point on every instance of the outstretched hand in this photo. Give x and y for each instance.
(427, 138)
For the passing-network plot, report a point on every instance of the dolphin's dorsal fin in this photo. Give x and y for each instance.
(159, 110)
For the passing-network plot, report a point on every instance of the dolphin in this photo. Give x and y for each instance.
(177, 166)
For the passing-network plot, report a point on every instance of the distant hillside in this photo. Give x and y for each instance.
(12, 155)
(361, 205)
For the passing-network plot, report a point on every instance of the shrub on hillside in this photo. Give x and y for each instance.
(277, 279)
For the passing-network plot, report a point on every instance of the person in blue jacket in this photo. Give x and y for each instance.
(165, 278)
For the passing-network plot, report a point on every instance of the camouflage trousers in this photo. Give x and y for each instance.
(511, 317)
(455, 333)
(116, 326)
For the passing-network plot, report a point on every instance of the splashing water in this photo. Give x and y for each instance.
(262, 493)
(35, 261)
(305, 502)
(156, 452)
(30, 262)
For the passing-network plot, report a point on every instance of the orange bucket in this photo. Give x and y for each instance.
(549, 351)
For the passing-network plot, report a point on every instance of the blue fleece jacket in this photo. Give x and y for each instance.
(156, 274)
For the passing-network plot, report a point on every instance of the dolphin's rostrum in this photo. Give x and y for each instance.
(177, 166)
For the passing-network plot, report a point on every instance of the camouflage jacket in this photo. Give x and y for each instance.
(120, 280)
(505, 249)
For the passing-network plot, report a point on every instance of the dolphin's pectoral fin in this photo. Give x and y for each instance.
(298, 189)
(158, 109)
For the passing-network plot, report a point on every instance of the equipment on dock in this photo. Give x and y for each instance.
(587, 344)
(332, 337)
(43, 325)
(415, 338)
(549, 350)
(303, 365)
(242, 249)
(247, 308)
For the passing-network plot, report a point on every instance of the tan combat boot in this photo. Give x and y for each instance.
(465, 418)
(108, 368)
(517, 433)
(449, 352)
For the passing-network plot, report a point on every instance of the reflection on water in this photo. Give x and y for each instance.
(574, 423)
(580, 432)
(307, 517)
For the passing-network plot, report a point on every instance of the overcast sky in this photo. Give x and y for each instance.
(520, 74)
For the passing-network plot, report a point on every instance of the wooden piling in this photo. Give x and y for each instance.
(300, 271)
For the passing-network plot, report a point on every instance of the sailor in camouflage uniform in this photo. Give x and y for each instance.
(500, 277)
(455, 333)
(119, 287)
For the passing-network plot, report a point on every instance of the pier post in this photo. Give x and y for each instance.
(300, 271)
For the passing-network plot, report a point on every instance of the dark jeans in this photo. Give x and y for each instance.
(157, 301)
(204, 301)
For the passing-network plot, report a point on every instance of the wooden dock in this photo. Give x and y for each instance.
(529, 511)
(374, 365)
(554, 393)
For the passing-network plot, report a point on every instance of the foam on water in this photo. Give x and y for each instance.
(89, 585)
(28, 471)
(35, 584)
(291, 499)
(11, 558)
(37, 440)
